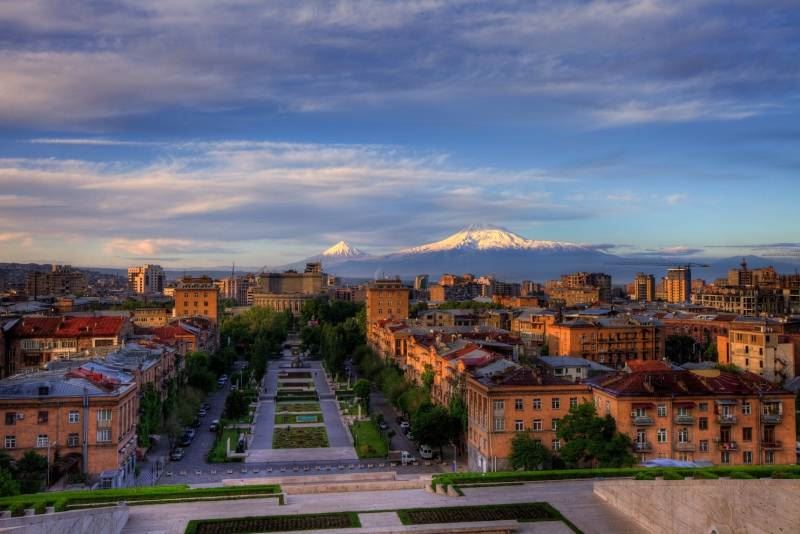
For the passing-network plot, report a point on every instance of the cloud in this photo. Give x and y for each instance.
(149, 248)
(670, 251)
(676, 198)
(99, 141)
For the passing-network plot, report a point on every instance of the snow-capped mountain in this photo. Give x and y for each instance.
(343, 249)
(489, 238)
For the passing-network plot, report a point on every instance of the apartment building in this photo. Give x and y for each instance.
(146, 279)
(387, 300)
(32, 342)
(644, 288)
(759, 348)
(701, 415)
(80, 417)
(678, 285)
(515, 400)
(61, 280)
(196, 296)
(609, 341)
(531, 325)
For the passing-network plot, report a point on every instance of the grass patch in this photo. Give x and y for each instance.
(275, 523)
(218, 452)
(351, 408)
(523, 512)
(298, 407)
(370, 442)
(292, 419)
(300, 438)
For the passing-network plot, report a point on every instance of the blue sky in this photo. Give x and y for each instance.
(196, 133)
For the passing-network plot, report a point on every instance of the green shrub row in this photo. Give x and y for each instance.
(274, 523)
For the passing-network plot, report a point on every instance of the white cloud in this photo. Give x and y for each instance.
(676, 198)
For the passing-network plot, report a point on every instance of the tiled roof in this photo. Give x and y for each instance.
(60, 383)
(685, 383)
(68, 327)
(522, 376)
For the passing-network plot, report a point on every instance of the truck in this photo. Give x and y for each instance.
(403, 457)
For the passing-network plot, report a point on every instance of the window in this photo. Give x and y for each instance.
(537, 425)
(518, 425)
(518, 405)
(703, 423)
(556, 403)
(747, 434)
(683, 435)
(573, 402)
(104, 415)
(42, 441)
(746, 408)
(499, 424)
(74, 416)
(554, 424)
(42, 418)
(662, 410)
(537, 404)
(11, 418)
(499, 405)
(703, 445)
(662, 435)
(556, 444)
(725, 457)
(72, 440)
(608, 407)
(104, 435)
(703, 407)
(769, 457)
(747, 457)
(11, 442)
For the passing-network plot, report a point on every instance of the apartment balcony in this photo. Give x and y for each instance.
(642, 420)
(771, 445)
(726, 445)
(684, 446)
(726, 419)
(684, 419)
(771, 418)
(642, 446)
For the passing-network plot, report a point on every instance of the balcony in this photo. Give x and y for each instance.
(684, 446)
(726, 419)
(771, 418)
(726, 445)
(771, 445)
(642, 446)
(642, 420)
(684, 419)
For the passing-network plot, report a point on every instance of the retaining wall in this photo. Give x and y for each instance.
(109, 520)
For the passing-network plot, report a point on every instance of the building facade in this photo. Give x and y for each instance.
(644, 288)
(678, 285)
(196, 297)
(386, 300)
(146, 279)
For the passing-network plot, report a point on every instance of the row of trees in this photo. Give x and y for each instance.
(589, 441)
(333, 330)
(256, 334)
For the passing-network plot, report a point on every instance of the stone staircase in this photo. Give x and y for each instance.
(338, 483)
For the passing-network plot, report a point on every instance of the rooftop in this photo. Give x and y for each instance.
(69, 326)
(65, 383)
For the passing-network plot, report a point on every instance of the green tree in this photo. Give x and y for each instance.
(31, 472)
(427, 377)
(544, 350)
(150, 415)
(198, 374)
(528, 454)
(593, 441)
(680, 348)
(236, 405)
(433, 426)
(362, 389)
(8, 485)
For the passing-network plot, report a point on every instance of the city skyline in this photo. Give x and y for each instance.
(201, 135)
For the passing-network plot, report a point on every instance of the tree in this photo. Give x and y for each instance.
(528, 454)
(428, 377)
(198, 374)
(544, 350)
(8, 485)
(433, 426)
(362, 389)
(31, 472)
(680, 348)
(150, 414)
(592, 440)
(236, 405)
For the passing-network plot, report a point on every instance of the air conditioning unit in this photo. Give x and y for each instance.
(20, 416)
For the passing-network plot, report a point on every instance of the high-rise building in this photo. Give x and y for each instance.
(196, 297)
(678, 284)
(61, 280)
(644, 288)
(386, 299)
(421, 282)
(146, 279)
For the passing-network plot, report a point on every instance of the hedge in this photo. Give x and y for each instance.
(274, 523)
(464, 479)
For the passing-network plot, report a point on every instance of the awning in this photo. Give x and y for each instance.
(727, 401)
(684, 404)
(643, 405)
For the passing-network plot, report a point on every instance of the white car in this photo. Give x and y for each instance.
(425, 452)
(404, 426)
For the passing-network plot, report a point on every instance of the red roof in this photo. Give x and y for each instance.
(685, 383)
(647, 365)
(68, 327)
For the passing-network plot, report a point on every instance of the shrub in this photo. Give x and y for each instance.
(40, 507)
(17, 508)
(705, 475)
(741, 475)
(644, 475)
(672, 475)
(784, 474)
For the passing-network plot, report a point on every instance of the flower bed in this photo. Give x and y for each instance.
(298, 407)
(276, 523)
(536, 511)
(299, 438)
(291, 419)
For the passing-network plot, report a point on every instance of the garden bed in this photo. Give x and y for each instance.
(298, 407)
(299, 437)
(523, 512)
(219, 452)
(294, 374)
(297, 396)
(292, 419)
(369, 441)
(275, 523)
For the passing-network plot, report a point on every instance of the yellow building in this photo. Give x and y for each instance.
(197, 296)
(759, 349)
(386, 299)
(678, 285)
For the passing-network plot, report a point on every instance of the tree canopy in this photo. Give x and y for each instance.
(593, 441)
(527, 453)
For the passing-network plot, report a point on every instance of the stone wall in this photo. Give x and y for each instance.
(109, 520)
(722, 506)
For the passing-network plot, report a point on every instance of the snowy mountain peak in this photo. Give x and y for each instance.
(487, 237)
(343, 249)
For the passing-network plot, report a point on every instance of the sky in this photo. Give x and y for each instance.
(203, 132)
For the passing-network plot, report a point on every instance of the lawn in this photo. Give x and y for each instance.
(299, 437)
(298, 407)
(217, 454)
(292, 419)
(349, 408)
(275, 523)
(370, 442)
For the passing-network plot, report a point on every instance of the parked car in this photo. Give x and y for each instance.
(214, 426)
(177, 454)
(234, 387)
(186, 440)
(382, 425)
(410, 436)
(206, 406)
(191, 432)
(223, 377)
(425, 452)
(405, 427)
(202, 412)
